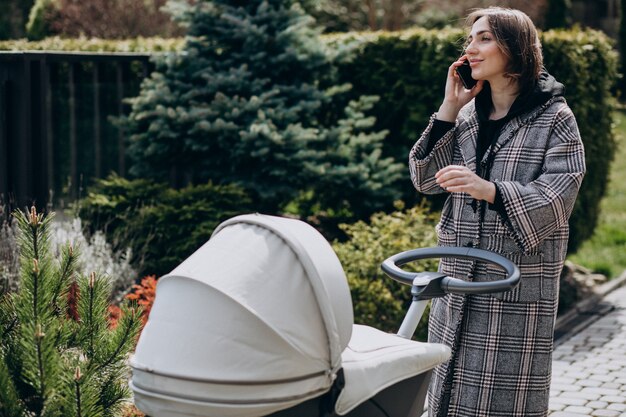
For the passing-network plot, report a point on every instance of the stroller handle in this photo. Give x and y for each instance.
(391, 267)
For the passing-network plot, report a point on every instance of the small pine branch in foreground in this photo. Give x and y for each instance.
(52, 363)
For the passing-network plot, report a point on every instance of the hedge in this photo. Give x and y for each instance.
(138, 45)
(407, 70)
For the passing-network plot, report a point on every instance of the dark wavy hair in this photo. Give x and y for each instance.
(517, 37)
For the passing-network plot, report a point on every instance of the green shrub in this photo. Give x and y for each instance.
(163, 226)
(378, 300)
(407, 71)
(587, 64)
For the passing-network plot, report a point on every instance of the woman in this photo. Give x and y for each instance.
(509, 154)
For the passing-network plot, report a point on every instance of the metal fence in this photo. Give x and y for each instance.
(56, 127)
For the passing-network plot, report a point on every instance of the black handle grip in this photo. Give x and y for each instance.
(391, 267)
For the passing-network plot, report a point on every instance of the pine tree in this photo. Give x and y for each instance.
(245, 103)
(50, 364)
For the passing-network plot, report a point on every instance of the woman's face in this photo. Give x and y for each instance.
(487, 60)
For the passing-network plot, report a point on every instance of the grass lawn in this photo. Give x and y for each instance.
(605, 252)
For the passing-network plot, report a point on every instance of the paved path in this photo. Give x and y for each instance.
(589, 368)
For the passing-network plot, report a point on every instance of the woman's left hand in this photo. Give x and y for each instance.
(460, 179)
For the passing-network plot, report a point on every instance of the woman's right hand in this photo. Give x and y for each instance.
(456, 96)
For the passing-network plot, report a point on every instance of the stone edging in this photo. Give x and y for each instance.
(570, 321)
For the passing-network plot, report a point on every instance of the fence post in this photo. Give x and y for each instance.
(47, 123)
(21, 166)
(97, 133)
(71, 82)
(121, 144)
(4, 148)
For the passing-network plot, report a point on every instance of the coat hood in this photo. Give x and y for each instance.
(546, 87)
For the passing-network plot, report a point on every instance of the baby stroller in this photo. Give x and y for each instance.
(259, 321)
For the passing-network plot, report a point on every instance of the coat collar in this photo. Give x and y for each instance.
(468, 135)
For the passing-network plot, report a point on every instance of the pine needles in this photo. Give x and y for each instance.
(53, 364)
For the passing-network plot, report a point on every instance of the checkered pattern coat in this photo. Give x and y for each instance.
(502, 343)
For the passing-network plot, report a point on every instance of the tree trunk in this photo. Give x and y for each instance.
(371, 15)
(394, 17)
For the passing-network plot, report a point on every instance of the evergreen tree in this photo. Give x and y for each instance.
(50, 364)
(245, 103)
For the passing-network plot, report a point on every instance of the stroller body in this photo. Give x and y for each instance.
(259, 321)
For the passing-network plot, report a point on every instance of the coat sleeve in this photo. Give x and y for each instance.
(537, 209)
(424, 165)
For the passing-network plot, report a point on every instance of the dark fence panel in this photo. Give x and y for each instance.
(56, 135)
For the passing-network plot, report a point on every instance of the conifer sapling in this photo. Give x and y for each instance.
(53, 364)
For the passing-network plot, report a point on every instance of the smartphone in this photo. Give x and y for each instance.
(465, 73)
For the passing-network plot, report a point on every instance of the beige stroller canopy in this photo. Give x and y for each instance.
(259, 319)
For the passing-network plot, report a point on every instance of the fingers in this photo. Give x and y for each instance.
(454, 65)
(454, 178)
(450, 171)
(460, 179)
(452, 70)
(458, 63)
(454, 81)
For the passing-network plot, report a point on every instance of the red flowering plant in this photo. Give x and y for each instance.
(143, 293)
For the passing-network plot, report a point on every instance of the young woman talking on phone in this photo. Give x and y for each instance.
(509, 155)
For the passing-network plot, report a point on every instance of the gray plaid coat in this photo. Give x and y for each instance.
(502, 343)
